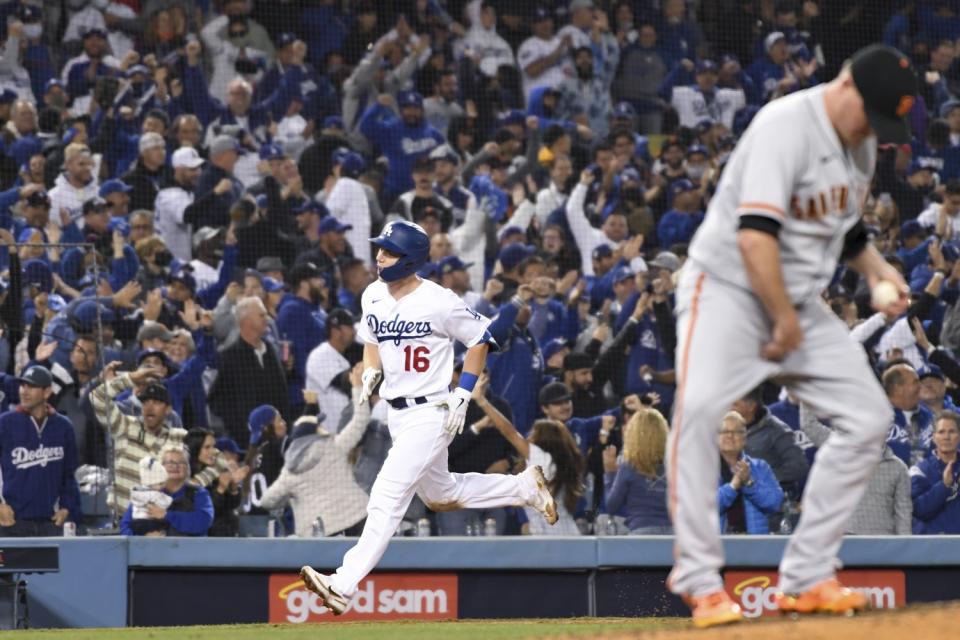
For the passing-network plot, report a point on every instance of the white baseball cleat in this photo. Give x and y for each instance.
(320, 585)
(542, 500)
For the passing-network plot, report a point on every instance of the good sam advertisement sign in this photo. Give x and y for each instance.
(382, 596)
(755, 590)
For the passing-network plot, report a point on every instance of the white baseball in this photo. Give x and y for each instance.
(884, 294)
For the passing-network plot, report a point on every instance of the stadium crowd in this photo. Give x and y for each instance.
(187, 189)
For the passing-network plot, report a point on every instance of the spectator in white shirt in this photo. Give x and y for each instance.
(541, 56)
(348, 203)
(482, 43)
(172, 203)
(328, 371)
(704, 100)
(588, 237)
(75, 185)
(949, 210)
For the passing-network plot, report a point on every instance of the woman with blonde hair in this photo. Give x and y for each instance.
(638, 484)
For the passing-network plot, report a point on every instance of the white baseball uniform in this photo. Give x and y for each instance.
(415, 336)
(789, 167)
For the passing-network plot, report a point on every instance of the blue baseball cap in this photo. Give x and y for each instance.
(185, 277)
(29, 13)
(697, 148)
(312, 206)
(285, 38)
(630, 174)
(706, 66)
(36, 273)
(95, 32)
(513, 116)
(258, 420)
(271, 285)
(916, 166)
(911, 228)
(624, 110)
(445, 152)
(602, 251)
(114, 186)
(511, 230)
(333, 122)
(409, 99)
(540, 14)
(85, 315)
(7, 96)
(513, 254)
(451, 264)
(681, 186)
(140, 69)
(52, 83)
(622, 273)
(226, 444)
(331, 224)
(930, 371)
(271, 151)
(554, 347)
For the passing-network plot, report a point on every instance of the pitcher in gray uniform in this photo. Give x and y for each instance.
(749, 308)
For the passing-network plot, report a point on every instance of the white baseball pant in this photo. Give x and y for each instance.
(417, 463)
(721, 329)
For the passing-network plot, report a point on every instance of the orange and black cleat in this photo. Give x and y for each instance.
(829, 597)
(713, 609)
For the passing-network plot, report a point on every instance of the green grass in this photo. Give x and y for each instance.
(481, 629)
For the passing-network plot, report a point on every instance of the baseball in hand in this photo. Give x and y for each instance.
(884, 294)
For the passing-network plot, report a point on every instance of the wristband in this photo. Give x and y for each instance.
(468, 381)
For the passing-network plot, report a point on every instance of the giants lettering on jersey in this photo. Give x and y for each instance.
(23, 458)
(397, 330)
(817, 206)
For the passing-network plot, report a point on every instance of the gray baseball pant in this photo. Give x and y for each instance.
(721, 329)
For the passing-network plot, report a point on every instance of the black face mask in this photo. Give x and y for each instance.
(163, 258)
(585, 73)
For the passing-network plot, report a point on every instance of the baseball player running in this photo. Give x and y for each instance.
(749, 308)
(409, 326)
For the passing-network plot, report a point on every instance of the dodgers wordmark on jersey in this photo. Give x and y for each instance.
(791, 167)
(415, 336)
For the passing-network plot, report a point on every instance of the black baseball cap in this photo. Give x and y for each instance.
(36, 376)
(340, 318)
(155, 391)
(554, 393)
(577, 360)
(301, 272)
(888, 84)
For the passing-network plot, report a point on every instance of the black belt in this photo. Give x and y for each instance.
(404, 403)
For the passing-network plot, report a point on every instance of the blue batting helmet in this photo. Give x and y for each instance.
(410, 242)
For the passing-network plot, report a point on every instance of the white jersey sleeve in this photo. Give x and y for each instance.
(463, 323)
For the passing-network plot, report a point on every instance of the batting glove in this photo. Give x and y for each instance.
(456, 404)
(370, 378)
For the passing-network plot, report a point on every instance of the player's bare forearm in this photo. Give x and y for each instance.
(871, 265)
(371, 356)
(506, 428)
(476, 359)
(761, 258)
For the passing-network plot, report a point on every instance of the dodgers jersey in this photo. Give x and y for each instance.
(415, 336)
(791, 167)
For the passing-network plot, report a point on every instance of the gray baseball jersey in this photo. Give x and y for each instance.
(789, 166)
